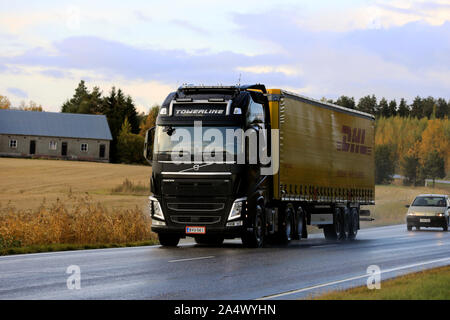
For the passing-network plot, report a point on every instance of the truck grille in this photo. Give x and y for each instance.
(195, 219)
(196, 206)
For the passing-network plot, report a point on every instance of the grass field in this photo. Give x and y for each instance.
(24, 183)
(431, 284)
(49, 205)
(38, 195)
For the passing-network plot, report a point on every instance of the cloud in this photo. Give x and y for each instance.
(190, 26)
(111, 58)
(55, 73)
(17, 92)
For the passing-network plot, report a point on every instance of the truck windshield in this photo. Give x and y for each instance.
(429, 202)
(183, 140)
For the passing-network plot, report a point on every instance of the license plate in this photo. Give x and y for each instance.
(196, 230)
(425, 220)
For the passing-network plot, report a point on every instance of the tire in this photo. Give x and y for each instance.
(353, 224)
(335, 231)
(445, 226)
(418, 228)
(209, 240)
(255, 238)
(168, 240)
(286, 227)
(300, 225)
(409, 228)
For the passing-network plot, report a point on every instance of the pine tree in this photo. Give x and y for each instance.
(346, 102)
(416, 108)
(403, 110)
(79, 102)
(368, 104)
(442, 109)
(434, 166)
(383, 108)
(393, 108)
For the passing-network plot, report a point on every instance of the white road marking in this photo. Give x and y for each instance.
(325, 246)
(282, 294)
(406, 248)
(190, 259)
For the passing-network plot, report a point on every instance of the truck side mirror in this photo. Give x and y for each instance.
(407, 205)
(148, 145)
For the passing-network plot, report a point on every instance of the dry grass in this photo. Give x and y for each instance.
(25, 182)
(74, 220)
(128, 187)
(78, 204)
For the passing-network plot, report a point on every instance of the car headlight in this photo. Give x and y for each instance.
(410, 214)
(236, 209)
(155, 208)
(440, 214)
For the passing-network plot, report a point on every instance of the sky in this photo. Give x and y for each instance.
(394, 49)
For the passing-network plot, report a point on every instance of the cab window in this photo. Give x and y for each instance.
(255, 113)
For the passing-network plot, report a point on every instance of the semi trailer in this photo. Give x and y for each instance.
(257, 164)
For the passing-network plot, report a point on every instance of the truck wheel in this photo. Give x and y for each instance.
(353, 224)
(286, 226)
(255, 237)
(445, 226)
(168, 240)
(335, 231)
(409, 228)
(299, 232)
(210, 240)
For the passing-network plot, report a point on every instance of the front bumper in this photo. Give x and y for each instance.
(227, 232)
(434, 221)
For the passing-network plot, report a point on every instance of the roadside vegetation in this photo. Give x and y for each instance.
(131, 188)
(431, 284)
(72, 222)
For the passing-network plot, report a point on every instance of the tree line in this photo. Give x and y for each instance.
(420, 107)
(418, 149)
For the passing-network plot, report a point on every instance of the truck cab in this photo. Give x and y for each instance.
(201, 180)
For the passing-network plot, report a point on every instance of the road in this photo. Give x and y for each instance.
(302, 269)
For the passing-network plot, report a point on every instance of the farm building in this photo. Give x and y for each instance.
(54, 135)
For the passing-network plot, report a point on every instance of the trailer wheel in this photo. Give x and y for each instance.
(300, 224)
(353, 224)
(335, 231)
(168, 240)
(255, 237)
(286, 226)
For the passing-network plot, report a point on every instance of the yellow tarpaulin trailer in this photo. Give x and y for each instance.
(326, 152)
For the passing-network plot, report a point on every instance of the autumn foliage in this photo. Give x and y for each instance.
(412, 138)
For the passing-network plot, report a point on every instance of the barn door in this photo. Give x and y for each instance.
(32, 147)
(102, 151)
(64, 149)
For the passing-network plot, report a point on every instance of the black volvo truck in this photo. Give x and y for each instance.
(232, 190)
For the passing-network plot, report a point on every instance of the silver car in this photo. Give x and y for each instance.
(429, 210)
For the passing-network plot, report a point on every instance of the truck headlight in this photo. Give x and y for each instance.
(156, 208)
(236, 209)
(440, 214)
